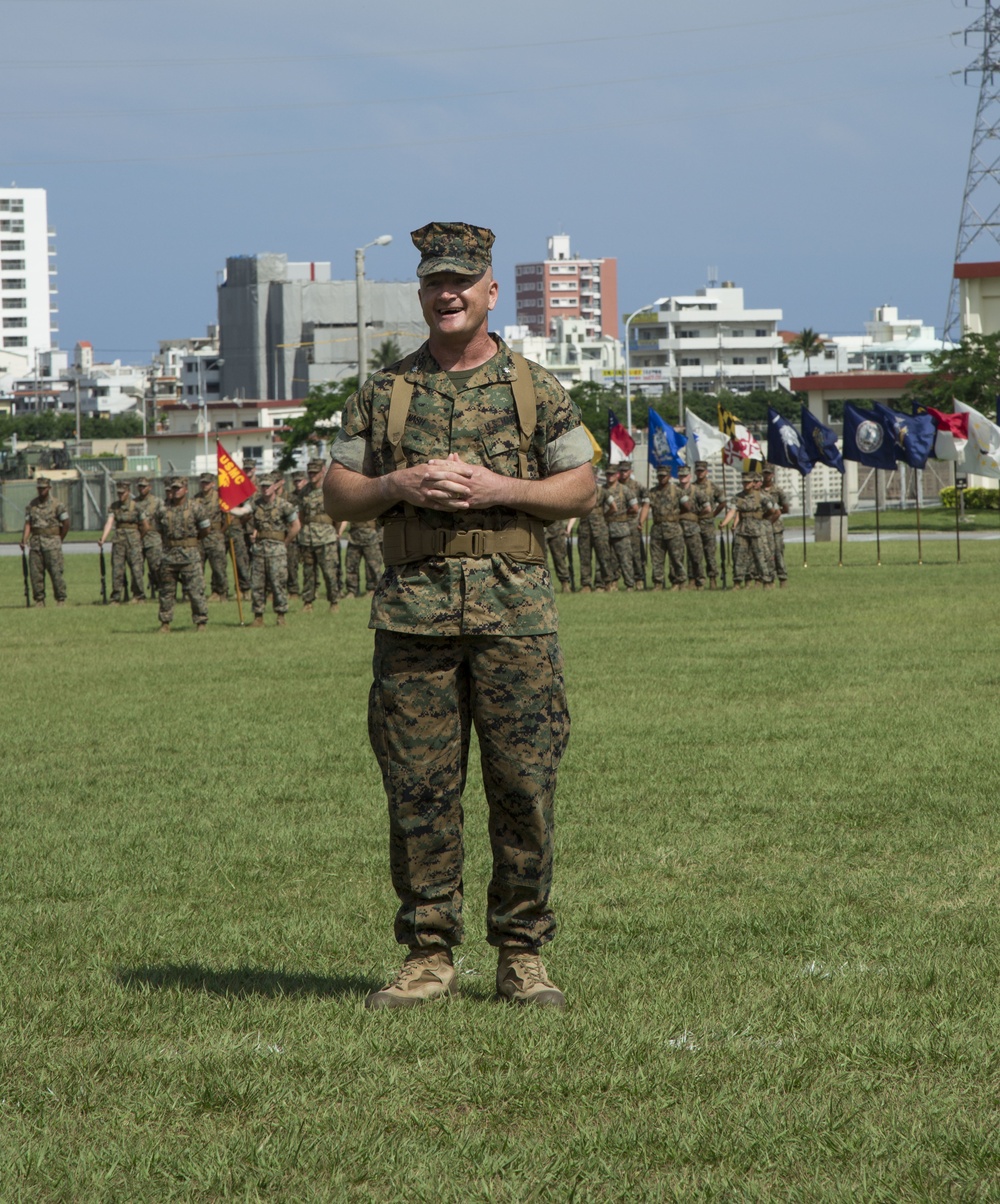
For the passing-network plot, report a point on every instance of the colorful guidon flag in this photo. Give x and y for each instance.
(234, 484)
(621, 442)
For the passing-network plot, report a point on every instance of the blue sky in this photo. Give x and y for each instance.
(813, 153)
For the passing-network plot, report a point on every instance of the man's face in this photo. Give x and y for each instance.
(123, 494)
(701, 472)
(684, 480)
(176, 494)
(144, 490)
(456, 306)
(43, 490)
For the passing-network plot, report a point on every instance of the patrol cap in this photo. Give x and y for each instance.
(663, 470)
(271, 478)
(767, 469)
(177, 482)
(142, 480)
(683, 471)
(208, 478)
(453, 247)
(700, 464)
(122, 486)
(623, 464)
(42, 481)
(249, 462)
(316, 466)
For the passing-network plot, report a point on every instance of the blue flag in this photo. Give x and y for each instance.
(784, 444)
(820, 442)
(866, 438)
(664, 444)
(912, 435)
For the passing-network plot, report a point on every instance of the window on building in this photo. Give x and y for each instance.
(11, 244)
(689, 334)
(12, 265)
(212, 386)
(761, 334)
(12, 205)
(761, 359)
(189, 390)
(250, 424)
(14, 323)
(12, 226)
(253, 453)
(738, 359)
(15, 303)
(13, 282)
(690, 361)
(15, 341)
(223, 426)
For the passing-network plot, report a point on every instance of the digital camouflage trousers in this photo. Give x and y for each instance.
(426, 696)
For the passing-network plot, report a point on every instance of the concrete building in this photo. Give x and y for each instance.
(890, 344)
(979, 297)
(710, 341)
(284, 327)
(27, 281)
(187, 369)
(571, 354)
(565, 286)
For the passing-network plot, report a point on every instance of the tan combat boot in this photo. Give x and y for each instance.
(164, 629)
(521, 978)
(426, 974)
(258, 621)
(214, 597)
(307, 608)
(280, 620)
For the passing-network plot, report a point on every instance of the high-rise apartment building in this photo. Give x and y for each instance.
(27, 285)
(566, 286)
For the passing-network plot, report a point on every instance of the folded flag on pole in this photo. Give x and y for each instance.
(912, 435)
(621, 442)
(234, 485)
(951, 434)
(866, 439)
(982, 452)
(820, 442)
(598, 450)
(703, 436)
(664, 444)
(784, 445)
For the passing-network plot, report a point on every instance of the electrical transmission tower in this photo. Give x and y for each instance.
(981, 202)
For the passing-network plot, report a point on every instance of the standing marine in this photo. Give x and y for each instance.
(213, 546)
(318, 541)
(182, 524)
(46, 522)
(124, 517)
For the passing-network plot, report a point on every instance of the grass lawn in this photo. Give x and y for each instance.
(777, 882)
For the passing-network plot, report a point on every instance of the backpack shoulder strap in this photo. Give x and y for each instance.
(527, 410)
(399, 408)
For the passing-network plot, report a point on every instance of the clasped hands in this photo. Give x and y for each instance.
(453, 485)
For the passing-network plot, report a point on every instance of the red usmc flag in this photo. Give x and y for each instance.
(234, 485)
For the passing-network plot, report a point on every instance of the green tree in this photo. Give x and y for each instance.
(385, 355)
(969, 372)
(322, 402)
(808, 343)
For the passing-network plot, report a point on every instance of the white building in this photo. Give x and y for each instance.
(27, 281)
(890, 344)
(187, 432)
(708, 341)
(572, 354)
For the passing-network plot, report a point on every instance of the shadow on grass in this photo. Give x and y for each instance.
(241, 982)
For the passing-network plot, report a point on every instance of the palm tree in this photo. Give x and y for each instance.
(386, 354)
(808, 343)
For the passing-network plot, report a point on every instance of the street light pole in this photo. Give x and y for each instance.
(359, 277)
(628, 379)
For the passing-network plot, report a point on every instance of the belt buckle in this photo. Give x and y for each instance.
(440, 541)
(478, 543)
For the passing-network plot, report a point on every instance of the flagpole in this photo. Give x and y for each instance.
(724, 535)
(958, 537)
(843, 507)
(236, 571)
(878, 528)
(805, 563)
(920, 547)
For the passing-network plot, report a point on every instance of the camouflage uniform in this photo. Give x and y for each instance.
(363, 540)
(181, 526)
(213, 546)
(749, 551)
(558, 545)
(592, 540)
(271, 520)
(126, 546)
(666, 539)
(775, 532)
(690, 531)
(620, 510)
(465, 641)
(45, 546)
(639, 495)
(319, 547)
(707, 494)
(149, 508)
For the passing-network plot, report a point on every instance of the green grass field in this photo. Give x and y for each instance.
(777, 884)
